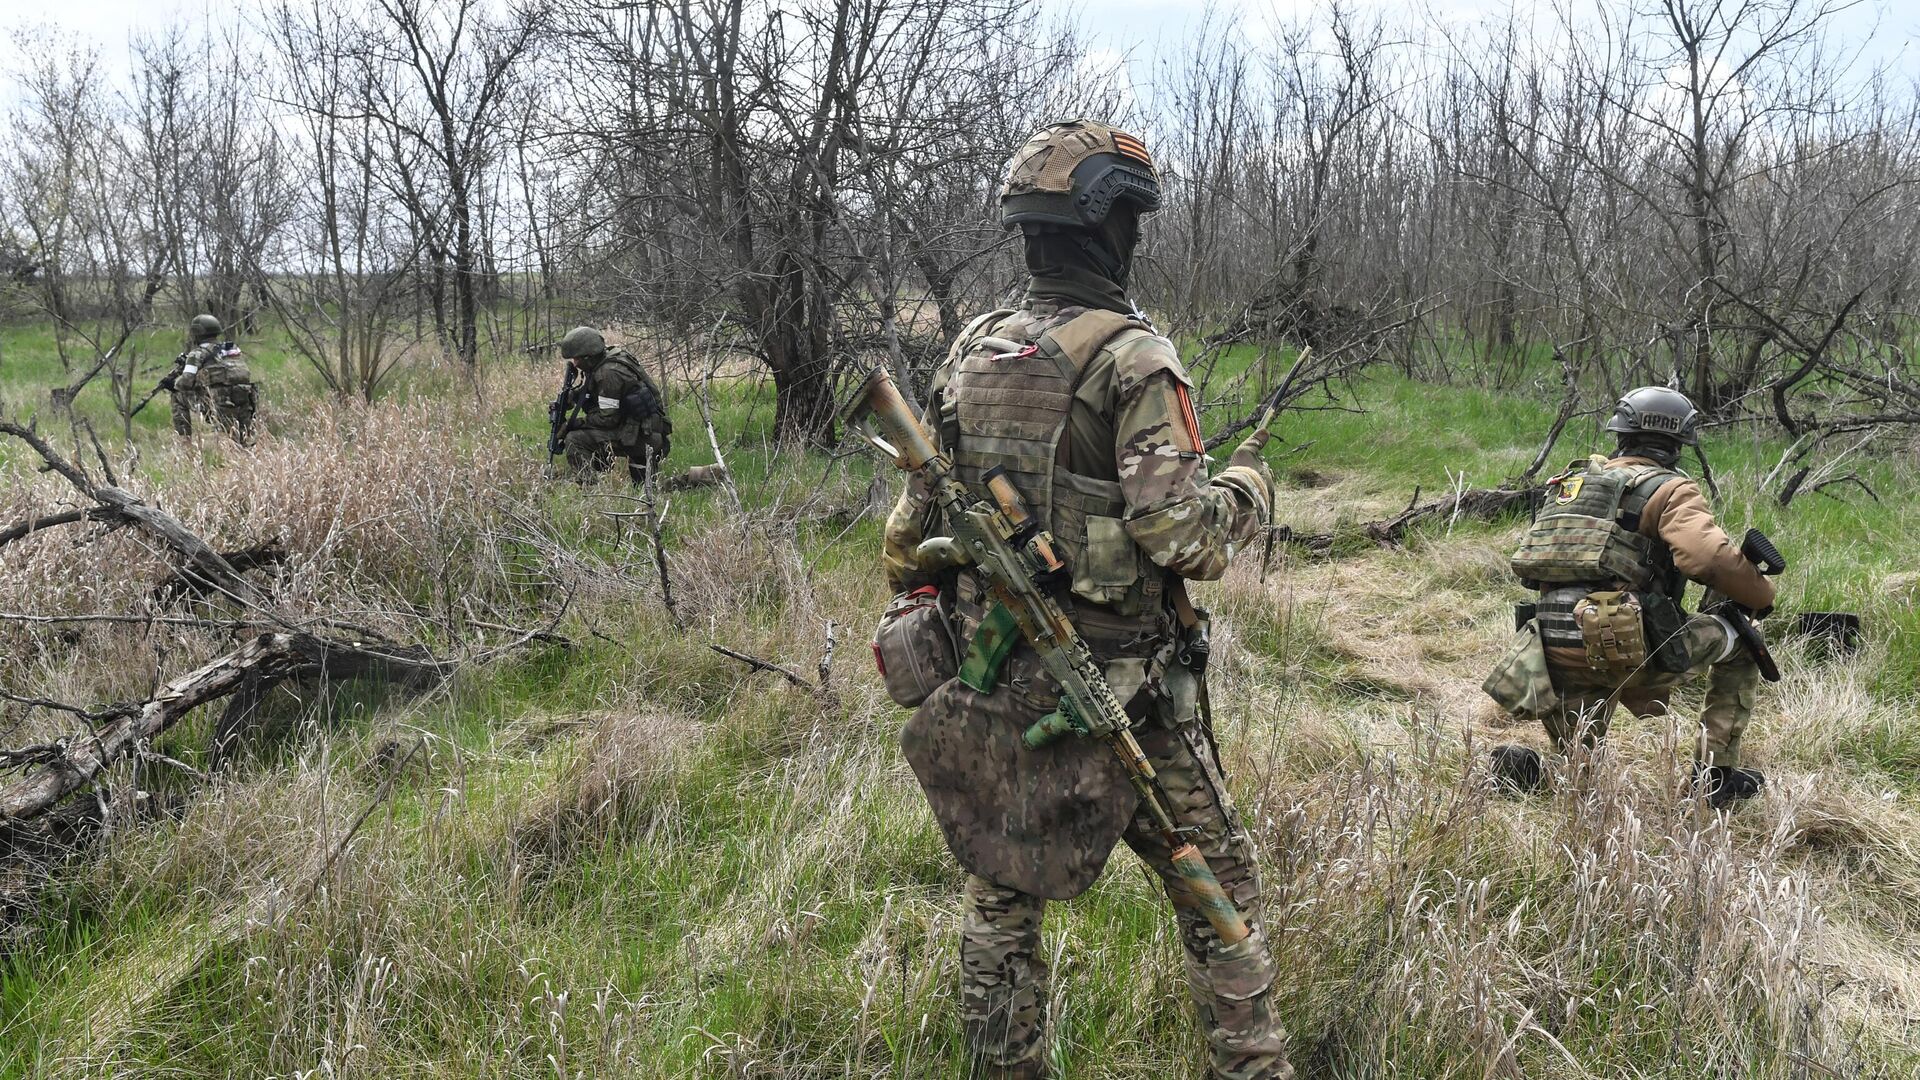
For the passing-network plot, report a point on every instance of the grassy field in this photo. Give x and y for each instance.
(633, 856)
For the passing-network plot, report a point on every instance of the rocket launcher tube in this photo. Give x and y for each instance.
(998, 537)
(881, 400)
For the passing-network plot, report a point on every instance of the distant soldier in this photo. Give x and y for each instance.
(211, 378)
(616, 410)
(1086, 410)
(1611, 552)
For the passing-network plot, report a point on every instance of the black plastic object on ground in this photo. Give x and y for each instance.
(1833, 634)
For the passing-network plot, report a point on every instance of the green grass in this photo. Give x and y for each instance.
(762, 893)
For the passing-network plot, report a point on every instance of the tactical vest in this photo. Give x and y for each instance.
(227, 366)
(1586, 538)
(1006, 400)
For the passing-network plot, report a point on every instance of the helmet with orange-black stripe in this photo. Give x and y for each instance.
(1071, 174)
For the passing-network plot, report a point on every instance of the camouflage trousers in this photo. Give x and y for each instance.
(1003, 994)
(230, 408)
(1588, 698)
(590, 452)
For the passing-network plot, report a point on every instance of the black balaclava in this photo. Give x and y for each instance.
(1658, 449)
(1084, 266)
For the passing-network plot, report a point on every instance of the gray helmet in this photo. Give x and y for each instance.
(582, 341)
(1072, 173)
(1656, 410)
(203, 328)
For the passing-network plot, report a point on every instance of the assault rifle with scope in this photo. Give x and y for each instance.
(999, 537)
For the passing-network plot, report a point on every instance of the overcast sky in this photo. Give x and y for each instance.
(1886, 29)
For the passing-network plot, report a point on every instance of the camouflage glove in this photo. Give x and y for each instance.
(186, 382)
(1247, 454)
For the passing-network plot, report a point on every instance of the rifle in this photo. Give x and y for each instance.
(1019, 560)
(560, 413)
(165, 385)
(1767, 559)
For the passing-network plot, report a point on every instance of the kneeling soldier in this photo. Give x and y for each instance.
(619, 410)
(1611, 551)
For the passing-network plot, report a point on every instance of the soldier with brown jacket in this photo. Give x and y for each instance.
(1076, 399)
(1611, 552)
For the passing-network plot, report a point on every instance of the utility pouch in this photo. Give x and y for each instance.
(987, 652)
(1666, 625)
(914, 646)
(1614, 629)
(1111, 564)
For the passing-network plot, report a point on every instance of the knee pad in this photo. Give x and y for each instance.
(1729, 643)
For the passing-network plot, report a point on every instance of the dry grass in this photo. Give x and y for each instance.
(640, 858)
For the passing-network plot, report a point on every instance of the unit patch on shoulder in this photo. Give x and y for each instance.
(1195, 444)
(1570, 489)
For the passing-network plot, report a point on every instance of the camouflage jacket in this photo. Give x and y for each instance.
(1677, 516)
(196, 357)
(1130, 421)
(602, 387)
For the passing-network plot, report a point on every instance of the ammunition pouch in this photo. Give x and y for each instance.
(914, 646)
(1613, 629)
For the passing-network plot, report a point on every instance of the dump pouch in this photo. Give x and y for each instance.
(1520, 682)
(914, 646)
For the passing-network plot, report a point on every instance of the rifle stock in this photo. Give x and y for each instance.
(1022, 568)
(1767, 559)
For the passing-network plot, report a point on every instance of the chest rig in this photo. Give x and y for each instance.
(1006, 399)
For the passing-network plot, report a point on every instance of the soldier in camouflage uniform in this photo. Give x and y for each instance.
(211, 378)
(1087, 411)
(1568, 667)
(619, 409)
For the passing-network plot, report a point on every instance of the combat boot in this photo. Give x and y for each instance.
(1724, 785)
(1516, 769)
(1034, 1068)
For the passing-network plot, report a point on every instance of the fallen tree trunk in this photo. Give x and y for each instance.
(266, 658)
(1475, 504)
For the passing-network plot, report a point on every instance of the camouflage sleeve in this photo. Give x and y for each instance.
(186, 366)
(1187, 523)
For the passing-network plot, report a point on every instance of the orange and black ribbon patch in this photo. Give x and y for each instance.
(1132, 147)
(1191, 420)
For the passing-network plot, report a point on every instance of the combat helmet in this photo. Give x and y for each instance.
(1656, 410)
(582, 341)
(1072, 173)
(203, 328)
